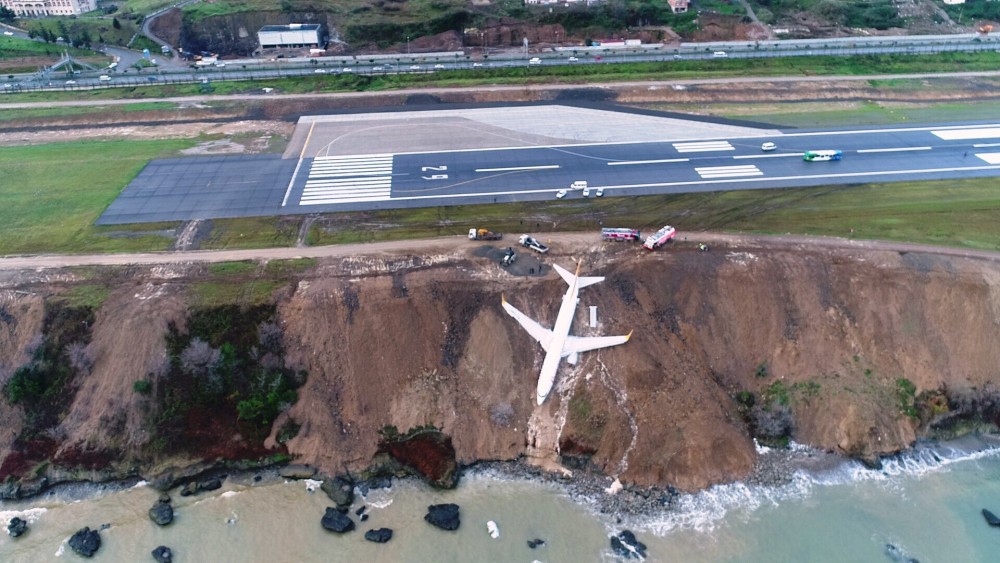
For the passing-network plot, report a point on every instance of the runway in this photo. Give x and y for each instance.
(341, 165)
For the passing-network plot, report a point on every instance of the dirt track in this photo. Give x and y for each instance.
(425, 246)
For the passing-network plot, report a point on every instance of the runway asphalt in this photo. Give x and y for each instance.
(528, 170)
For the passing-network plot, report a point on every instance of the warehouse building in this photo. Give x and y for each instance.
(291, 35)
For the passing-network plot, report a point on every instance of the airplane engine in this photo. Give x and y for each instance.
(572, 358)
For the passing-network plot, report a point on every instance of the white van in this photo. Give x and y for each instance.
(535, 61)
(104, 78)
(719, 54)
(578, 185)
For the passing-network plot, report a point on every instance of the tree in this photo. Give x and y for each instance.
(116, 24)
(7, 15)
(84, 39)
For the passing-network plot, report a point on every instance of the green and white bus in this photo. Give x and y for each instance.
(822, 155)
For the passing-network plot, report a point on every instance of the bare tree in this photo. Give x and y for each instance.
(271, 337)
(79, 357)
(199, 358)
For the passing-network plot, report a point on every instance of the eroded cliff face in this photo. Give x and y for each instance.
(848, 341)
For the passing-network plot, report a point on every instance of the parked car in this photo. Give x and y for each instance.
(438, 66)
(414, 67)
(348, 69)
(573, 59)
(377, 68)
(104, 78)
(70, 82)
(477, 65)
(8, 33)
(599, 192)
(535, 61)
(768, 147)
(720, 54)
(561, 194)
(586, 192)
(320, 71)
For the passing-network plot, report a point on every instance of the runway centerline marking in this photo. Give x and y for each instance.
(662, 161)
(782, 155)
(516, 168)
(898, 149)
(985, 145)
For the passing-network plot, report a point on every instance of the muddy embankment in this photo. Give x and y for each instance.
(854, 351)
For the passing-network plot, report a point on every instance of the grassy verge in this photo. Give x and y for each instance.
(252, 232)
(53, 193)
(961, 213)
(50, 112)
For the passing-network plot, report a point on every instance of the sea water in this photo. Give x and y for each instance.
(924, 505)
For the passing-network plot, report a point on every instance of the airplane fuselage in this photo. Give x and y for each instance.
(560, 332)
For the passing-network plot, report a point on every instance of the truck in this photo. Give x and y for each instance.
(533, 243)
(508, 257)
(659, 238)
(484, 234)
(620, 234)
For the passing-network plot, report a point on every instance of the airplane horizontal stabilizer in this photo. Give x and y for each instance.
(580, 281)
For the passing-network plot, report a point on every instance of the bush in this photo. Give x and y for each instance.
(142, 386)
(772, 424)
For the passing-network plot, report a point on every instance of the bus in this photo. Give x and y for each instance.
(620, 234)
(822, 155)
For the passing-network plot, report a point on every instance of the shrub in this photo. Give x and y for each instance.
(772, 424)
(142, 386)
(761, 370)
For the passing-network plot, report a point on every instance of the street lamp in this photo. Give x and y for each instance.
(407, 45)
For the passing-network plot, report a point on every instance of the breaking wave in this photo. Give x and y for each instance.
(704, 511)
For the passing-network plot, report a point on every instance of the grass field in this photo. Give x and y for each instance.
(31, 113)
(53, 193)
(950, 213)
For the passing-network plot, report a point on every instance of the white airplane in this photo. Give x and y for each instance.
(557, 342)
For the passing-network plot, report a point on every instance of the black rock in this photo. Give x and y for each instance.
(85, 542)
(189, 489)
(17, 527)
(164, 497)
(625, 545)
(381, 482)
(210, 484)
(364, 517)
(163, 554)
(536, 543)
(334, 521)
(444, 516)
(380, 535)
(161, 513)
(340, 490)
(257, 478)
(991, 518)
(361, 510)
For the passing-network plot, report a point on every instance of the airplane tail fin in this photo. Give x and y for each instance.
(581, 281)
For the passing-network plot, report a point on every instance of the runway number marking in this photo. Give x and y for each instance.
(434, 169)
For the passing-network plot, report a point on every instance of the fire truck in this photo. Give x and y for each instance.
(659, 238)
(620, 234)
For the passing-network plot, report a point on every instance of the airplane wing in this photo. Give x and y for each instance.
(577, 344)
(537, 331)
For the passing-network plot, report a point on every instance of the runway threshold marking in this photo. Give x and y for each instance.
(348, 179)
(514, 168)
(662, 161)
(295, 174)
(990, 157)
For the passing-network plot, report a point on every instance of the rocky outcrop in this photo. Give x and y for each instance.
(626, 545)
(991, 518)
(340, 490)
(17, 527)
(427, 453)
(85, 542)
(297, 471)
(381, 535)
(444, 516)
(336, 521)
(162, 513)
(163, 554)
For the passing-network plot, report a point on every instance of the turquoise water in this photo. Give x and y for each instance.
(927, 504)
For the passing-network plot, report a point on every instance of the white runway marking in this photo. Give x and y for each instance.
(963, 134)
(989, 157)
(513, 168)
(348, 179)
(729, 171)
(704, 146)
(782, 155)
(899, 149)
(985, 145)
(631, 162)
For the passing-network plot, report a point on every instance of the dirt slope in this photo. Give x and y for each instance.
(391, 338)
